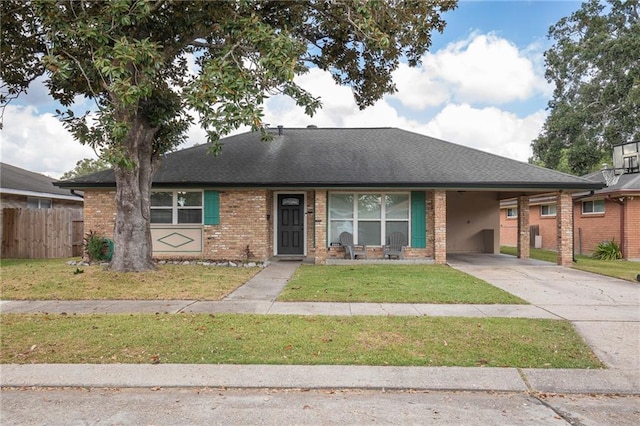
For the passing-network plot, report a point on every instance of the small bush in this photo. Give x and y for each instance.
(607, 250)
(97, 247)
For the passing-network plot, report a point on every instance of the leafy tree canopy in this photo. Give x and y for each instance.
(595, 67)
(85, 167)
(150, 66)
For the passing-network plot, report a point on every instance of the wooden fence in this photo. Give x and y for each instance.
(40, 234)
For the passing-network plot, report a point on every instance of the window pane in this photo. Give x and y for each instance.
(45, 204)
(189, 199)
(598, 206)
(397, 206)
(369, 206)
(402, 227)
(548, 210)
(189, 216)
(161, 216)
(337, 227)
(341, 206)
(161, 199)
(587, 207)
(369, 233)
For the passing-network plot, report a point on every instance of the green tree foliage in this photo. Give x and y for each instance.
(85, 167)
(595, 67)
(149, 64)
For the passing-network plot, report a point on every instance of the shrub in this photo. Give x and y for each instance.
(607, 250)
(97, 247)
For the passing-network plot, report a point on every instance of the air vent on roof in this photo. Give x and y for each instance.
(280, 129)
(312, 126)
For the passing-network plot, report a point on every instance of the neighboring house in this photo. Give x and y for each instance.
(610, 213)
(22, 189)
(294, 195)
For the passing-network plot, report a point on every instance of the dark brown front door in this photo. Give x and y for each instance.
(291, 224)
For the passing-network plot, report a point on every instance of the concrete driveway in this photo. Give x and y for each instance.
(605, 311)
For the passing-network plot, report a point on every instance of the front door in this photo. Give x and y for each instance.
(291, 224)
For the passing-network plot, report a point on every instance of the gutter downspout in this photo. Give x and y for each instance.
(573, 222)
(622, 230)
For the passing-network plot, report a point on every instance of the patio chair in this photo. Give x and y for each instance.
(396, 242)
(350, 249)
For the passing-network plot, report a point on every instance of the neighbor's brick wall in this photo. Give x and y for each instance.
(243, 222)
(632, 227)
(592, 229)
(100, 212)
(547, 227)
(508, 229)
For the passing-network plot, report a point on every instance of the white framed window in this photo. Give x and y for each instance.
(512, 212)
(369, 217)
(593, 207)
(39, 203)
(547, 210)
(176, 207)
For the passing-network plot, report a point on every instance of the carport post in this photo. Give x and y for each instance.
(439, 226)
(564, 218)
(523, 227)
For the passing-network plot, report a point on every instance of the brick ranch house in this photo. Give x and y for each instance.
(610, 213)
(294, 195)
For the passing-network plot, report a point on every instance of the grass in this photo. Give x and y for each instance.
(622, 269)
(393, 284)
(310, 340)
(55, 280)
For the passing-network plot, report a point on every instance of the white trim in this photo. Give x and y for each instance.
(40, 194)
(275, 221)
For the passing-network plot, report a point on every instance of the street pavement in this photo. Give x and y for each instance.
(605, 311)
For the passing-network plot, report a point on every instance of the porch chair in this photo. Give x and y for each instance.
(350, 249)
(396, 241)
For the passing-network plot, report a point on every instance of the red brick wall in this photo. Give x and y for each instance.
(508, 229)
(593, 228)
(547, 227)
(100, 212)
(243, 222)
(632, 228)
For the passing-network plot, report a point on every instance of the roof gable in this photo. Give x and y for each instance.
(14, 180)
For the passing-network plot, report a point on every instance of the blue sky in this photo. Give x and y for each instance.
(481, 85)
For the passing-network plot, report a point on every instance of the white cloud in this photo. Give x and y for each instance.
(39, 142)
(488, 129)
(484, 68)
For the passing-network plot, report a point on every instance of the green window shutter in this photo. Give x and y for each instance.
(211, 208)
(418, 220)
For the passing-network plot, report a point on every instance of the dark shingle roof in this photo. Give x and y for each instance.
(626, 182)
(20, 181)
(369, 157)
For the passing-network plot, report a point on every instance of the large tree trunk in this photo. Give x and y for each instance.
(132, 234)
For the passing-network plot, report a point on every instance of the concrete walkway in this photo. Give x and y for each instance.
(604, 310)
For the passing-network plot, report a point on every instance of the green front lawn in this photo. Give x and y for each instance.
(278, 339)
(53, 279)
(393, 284)
(622, 269)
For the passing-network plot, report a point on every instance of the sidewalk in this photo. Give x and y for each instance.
(619, 313)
